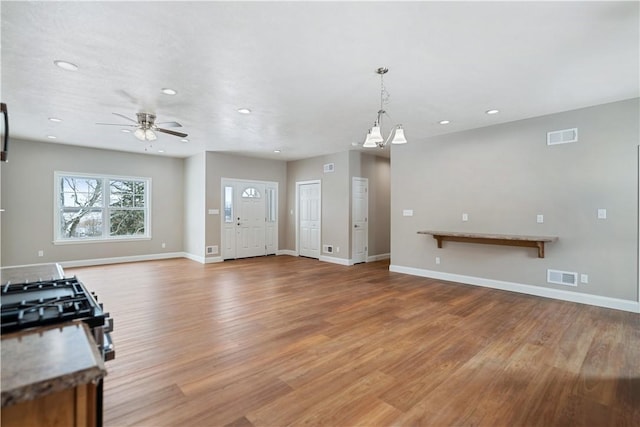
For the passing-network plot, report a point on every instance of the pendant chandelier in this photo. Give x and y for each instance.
(374, 137)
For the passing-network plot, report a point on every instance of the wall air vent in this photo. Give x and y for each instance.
(327, 249)
(564, 136)
(558, 277)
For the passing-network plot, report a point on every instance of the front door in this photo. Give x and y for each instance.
(309, 212)
(249, 225)
(359, 220)
(250, 217)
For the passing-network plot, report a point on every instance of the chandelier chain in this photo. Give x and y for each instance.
(384, 94)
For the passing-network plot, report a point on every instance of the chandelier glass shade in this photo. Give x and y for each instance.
(374, 138)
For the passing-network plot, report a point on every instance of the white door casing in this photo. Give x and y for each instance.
(309, 214)
(249, 220)
(359, 219)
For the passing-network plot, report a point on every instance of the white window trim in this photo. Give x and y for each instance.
(56, 209)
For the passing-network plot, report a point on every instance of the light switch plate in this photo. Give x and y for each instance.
(407, 212)
(602, 214)
(214, 211)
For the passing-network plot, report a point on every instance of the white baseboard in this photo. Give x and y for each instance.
(286, 252)
(578, 297)
(334, 260)
(212, 259)
(118, 260)
(379, 257)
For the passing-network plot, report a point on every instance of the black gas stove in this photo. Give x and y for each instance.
(45, 302)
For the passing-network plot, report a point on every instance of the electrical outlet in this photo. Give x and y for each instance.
(40, 252)
(437, 260)
(164, 245)
(337, 249)
(465, 217)
(584, 278)
(602, 214)
(540, 218)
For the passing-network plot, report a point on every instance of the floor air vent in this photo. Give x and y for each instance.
(564, 136)
(558, 277)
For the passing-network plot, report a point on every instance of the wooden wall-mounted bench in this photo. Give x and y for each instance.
(493, 239)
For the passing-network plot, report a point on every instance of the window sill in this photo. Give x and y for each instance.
(110, 240)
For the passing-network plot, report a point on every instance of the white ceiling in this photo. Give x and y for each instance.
(306, 69)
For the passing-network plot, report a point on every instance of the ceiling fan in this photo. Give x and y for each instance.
(146, 126)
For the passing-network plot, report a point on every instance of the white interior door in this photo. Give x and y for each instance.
(250, 220)
(309, 217)
(359, 219)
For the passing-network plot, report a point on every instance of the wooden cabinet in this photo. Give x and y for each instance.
(50, 377)
(70, 407)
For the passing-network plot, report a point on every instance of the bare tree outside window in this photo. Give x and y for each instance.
(126, 213)
(101, 207)
(81, 201)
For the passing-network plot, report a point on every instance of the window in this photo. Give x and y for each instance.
(251, 193)
(90, 207)
(271, 205)
(228, 203)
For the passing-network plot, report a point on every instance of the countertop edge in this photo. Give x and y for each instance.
(51, 384)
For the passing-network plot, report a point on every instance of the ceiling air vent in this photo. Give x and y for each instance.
(562, 277)
(564, 136)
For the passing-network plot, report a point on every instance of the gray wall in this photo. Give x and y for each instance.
(503, 176)
(336, 199)
(223, 165)
(27, 196)
(194, 205)
(377, 169)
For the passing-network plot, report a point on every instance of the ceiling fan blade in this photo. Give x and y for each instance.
(125, 117)
(117, 124)
(172, 132)
(170, 124)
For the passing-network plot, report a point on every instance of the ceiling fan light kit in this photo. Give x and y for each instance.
(147, 127)
(374, 138)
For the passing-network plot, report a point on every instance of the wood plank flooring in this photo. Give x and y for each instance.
(279, 341)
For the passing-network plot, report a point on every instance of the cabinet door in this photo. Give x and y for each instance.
(70, 407)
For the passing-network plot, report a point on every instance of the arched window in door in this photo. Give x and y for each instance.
(251, 193)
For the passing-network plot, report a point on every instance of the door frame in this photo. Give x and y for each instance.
(268, 184)
(297, 217)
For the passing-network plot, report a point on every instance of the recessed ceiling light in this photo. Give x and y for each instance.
(160, 151)
(244, 111)
(184, 140)
(125, 130)
(492, 111)
(444, 122)
(55, 119)
(51, 136)
(277, 151)
(65, 65)
(169, 91)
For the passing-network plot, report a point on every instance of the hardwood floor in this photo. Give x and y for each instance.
(279, 341)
